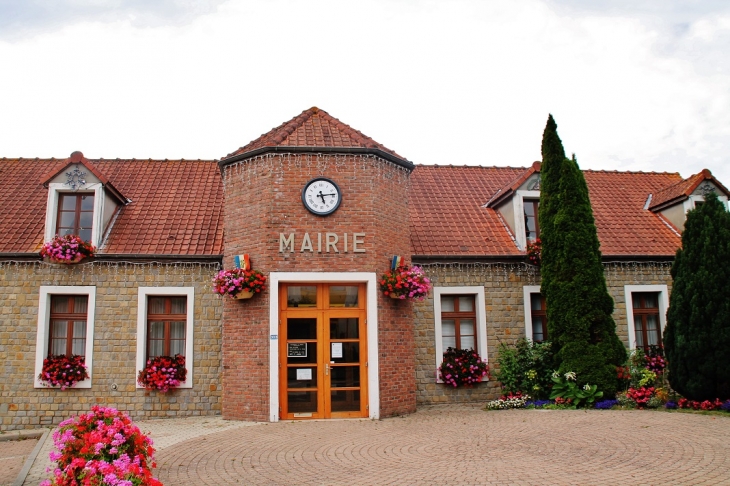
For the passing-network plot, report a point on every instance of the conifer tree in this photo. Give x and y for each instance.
(697, 336)
(579, 307)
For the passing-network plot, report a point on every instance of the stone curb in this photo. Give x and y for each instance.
(41, 435)
(21, 434)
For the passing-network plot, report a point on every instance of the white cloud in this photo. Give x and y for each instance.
(461, 82)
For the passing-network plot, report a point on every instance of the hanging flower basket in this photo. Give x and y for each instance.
(235, 282)
(163, 373)
(67, 250)
(405, 282)
(534, 252)
(63, 371)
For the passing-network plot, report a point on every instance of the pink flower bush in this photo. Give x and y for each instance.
(462, 367)
(163, 373)
(406, 282)
(67, 249)
(534, 252)
(64, 371)
(231, 282)
(99, 448)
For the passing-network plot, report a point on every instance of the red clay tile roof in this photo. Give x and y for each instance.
(682, 190)
(447, 213)
(448, 217)
(313, 128)
(510, 188)
(182, 216)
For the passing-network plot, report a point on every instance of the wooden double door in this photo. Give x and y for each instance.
(322, 351)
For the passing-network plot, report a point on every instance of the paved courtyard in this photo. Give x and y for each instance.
(448, 445)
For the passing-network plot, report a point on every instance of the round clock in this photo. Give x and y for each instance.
(321, 196)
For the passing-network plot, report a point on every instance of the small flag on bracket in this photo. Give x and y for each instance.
(397, 262)
(242, 261)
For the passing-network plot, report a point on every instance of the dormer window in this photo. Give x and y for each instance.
(532, 227)
(75, 215)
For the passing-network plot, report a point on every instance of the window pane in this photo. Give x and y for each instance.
(448, 327)
(59, 304)
(466, 304)
(67, 220)
(652, 330)
(447, 303)
(59, 330)
(537, 335)
(58, 347)
(85, 234)
(79, 347)
(179, 305)
(343, 296)
(344, 328)
(81, 304)
(79, 329)
(449, 342)
(301, 328)
(639, 325)
(86, 220)
(301, 296)
(156, 349)
(156, 305)
(177, 330)
(466, 327)
(651, 301)
(177, 347)
(87, 202)
(467, 342)
(68, 202)
(536, 301)
(636, 300)
(157, 330)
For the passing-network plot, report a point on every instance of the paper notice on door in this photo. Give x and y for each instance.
(304, 373)
(336, 350)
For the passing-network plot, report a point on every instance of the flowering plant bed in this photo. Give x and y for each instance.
(67, 249)
(163, 373)
(511, 400)
(462, 367)
(64, 371)
(232, 282)
(534, 252)
(405, 282)
(101, 447)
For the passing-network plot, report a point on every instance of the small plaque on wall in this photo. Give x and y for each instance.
(296, 350)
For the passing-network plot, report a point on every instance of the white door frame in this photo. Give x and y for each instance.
(275, 278)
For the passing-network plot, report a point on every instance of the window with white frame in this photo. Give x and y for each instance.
(646, 307)
(460, 320)
(535, 314)
(65, 326)
(165, 326)
(75, 212)
(526, 222)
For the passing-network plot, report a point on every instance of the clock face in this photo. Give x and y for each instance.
(321, 196)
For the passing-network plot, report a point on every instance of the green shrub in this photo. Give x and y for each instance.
(526, 367)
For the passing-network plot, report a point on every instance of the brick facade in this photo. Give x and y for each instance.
(115, 335)
(262, 202)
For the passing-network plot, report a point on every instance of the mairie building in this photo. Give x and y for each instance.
(321, 210)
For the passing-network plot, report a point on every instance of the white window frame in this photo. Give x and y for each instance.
(481, 320)
(663, 304)
(56, 188)
(519, 204)
(527, 291)
(142, 294)
(44, 324)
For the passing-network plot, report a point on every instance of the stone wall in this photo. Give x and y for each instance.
(115, 337)
(505, 311)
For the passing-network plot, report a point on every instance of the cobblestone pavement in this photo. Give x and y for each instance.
(463, 445)
(449, 445)
(13, 454)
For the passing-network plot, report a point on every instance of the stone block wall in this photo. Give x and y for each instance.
(505, 311)
(115, 336)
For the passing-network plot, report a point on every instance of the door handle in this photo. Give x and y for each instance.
(327, 369)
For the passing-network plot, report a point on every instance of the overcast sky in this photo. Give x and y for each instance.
(633, 85)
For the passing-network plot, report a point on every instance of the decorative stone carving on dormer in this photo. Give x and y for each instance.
(706, 188)
(534, 184)
(76, 179)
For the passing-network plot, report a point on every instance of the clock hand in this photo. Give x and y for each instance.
(322, 197)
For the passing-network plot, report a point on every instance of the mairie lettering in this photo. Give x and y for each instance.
(322, 243)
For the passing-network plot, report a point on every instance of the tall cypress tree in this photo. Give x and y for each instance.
(579, 307)
(697, 336)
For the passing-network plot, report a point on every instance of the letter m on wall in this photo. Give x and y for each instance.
(286, 242)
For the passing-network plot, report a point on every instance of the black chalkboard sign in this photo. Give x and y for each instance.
(296, 350)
